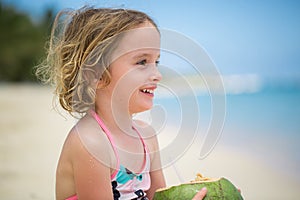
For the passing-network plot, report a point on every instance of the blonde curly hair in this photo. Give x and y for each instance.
(79, 52)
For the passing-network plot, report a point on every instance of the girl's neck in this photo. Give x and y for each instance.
(117, 120)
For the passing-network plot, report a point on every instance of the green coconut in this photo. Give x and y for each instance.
(217, 189)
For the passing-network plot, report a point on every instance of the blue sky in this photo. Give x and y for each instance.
(241, 37)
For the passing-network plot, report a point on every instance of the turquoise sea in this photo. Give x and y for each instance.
(263, 124)
(266, 124)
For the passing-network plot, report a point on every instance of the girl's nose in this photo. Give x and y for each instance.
(156, 76)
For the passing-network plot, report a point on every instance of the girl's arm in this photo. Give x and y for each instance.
(91, 177)
(157, 181)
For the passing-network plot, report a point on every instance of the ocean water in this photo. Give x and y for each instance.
(267, 124)
(264, 124)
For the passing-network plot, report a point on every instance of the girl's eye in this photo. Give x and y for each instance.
(157, 62)
(142, 62)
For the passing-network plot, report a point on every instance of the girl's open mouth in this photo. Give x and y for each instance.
(147, 91)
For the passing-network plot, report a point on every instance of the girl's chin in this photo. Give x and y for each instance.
(142, 108)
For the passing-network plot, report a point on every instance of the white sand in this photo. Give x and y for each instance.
(31, 136)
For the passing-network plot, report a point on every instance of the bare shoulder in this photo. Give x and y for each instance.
(88, 137)
(86, 156)
(85, 139)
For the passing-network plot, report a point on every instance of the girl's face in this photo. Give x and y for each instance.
(134, 72)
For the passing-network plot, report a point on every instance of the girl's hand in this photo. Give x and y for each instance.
(201, 194)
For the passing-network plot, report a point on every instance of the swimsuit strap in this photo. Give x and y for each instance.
(108, 134)
(145, 151)
(143, 142)
(110, 138)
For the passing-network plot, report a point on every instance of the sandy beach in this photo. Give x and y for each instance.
(32, 134)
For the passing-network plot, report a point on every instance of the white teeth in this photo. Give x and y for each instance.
(148, 91)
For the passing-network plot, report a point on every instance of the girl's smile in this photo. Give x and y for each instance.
(149, 91)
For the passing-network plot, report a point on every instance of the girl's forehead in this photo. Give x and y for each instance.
(143, 39)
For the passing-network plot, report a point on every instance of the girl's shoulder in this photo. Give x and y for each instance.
(88, 130)
(86, 137)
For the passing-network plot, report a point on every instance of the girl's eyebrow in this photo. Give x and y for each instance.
(145, 55)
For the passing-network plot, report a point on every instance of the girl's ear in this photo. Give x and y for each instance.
(103, 81)
(100, 83)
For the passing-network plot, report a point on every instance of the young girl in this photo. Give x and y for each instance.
(104, 67)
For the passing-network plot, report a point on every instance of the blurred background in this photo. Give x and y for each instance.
(256, 48)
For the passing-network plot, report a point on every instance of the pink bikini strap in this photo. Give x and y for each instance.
(108, 134)
(145, 149)
(144, 144)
